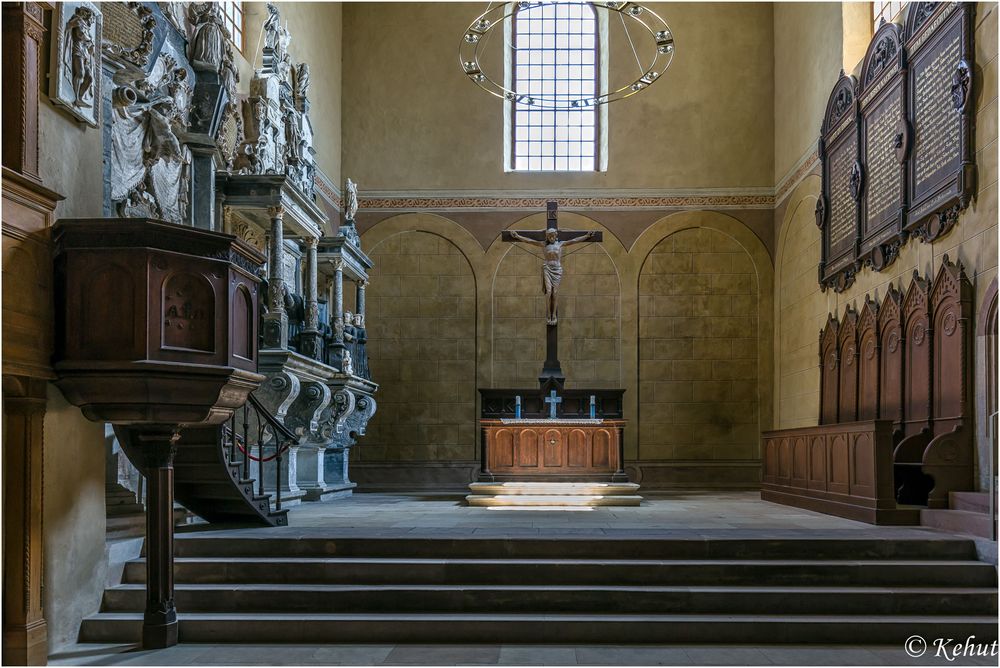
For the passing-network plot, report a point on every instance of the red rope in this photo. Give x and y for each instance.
(242, 448)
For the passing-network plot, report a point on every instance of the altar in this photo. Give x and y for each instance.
(552, 445)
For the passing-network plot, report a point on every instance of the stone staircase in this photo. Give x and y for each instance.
(573, 590)
(967, 513)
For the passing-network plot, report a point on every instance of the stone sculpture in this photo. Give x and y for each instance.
(552, 269)
(78, 55)
(350, 200)
(208, 45)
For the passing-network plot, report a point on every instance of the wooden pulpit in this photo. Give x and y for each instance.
(156, 330)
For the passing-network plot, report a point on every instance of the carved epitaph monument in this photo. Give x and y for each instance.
(551, 445)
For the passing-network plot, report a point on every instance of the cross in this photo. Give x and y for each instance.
(552, 400)
(552, 240)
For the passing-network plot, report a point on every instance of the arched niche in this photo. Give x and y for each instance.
(590, 309)
(421, 310)
(704, 285)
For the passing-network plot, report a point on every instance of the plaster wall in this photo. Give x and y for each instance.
(74, 550)
(808, 37)
(415, 122)
(801, 308)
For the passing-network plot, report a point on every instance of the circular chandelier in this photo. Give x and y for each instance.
(650, 28)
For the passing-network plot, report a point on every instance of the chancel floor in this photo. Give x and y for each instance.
(717, 514)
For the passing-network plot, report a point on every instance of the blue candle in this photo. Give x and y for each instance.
(517, 407)
(593, 407)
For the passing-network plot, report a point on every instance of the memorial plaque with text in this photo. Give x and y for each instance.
(884, 141)
(837, 208)
(942, 171)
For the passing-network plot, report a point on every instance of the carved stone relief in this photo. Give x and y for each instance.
(129, 33)
(149, 165)
(75, 82)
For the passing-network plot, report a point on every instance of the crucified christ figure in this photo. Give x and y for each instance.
(552, 269)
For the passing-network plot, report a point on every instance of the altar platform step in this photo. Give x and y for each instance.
(553, 494)
(286, 586)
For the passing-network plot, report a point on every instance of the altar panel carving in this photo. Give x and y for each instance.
(884, 141)
(939, 45)
(837, 207)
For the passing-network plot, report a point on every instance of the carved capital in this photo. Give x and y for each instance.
(276, 212)
(338, 264)
(311, 243)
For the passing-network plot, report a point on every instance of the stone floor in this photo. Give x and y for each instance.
(736, 514)
(693, 514)
(509, 655)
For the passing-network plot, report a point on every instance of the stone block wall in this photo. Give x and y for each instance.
(421, 317)
(698, 349)
(589, 319)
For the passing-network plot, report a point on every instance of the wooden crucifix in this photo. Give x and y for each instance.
(552, 240)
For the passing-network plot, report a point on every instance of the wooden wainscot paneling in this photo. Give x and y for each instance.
(850, 471)
(829, 360)
(884, 145)
(837, 208)
(940, 89)
(868, 361)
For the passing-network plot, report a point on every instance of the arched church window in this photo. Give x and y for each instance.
(885, 10)
(232, 17)
(554, 51)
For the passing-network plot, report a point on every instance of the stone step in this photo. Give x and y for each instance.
(547, 502)
(543, 629)
(201, 544)
(773, 572)
(555, 488)
(958, 521)
(564, 599)
(975, 502)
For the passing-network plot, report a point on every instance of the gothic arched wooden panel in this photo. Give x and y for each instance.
(847, 400)
(868, 361)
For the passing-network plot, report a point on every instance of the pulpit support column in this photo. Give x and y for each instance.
(157, 445)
